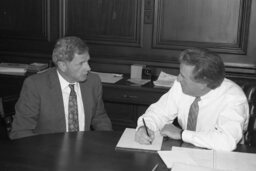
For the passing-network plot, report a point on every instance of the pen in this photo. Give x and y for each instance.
(155, 167)
(144, 123)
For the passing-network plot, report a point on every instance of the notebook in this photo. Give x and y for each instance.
(127, 142)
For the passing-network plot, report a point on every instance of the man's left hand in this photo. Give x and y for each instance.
(171, 131)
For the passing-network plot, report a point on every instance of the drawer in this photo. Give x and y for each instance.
(127, 95)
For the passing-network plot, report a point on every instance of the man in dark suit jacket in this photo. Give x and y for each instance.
(43, 104)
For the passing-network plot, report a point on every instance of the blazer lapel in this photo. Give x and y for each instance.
(57, 99)
(86, 102)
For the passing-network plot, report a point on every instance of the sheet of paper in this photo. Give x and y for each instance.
(217, 160)
(127, 141)
(138, 81)
(235, 161)
(165, 80)
(188, 167)
(197, 157)
(109, 77)
(202, 157)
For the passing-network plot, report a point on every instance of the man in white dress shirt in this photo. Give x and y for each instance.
(223, 112)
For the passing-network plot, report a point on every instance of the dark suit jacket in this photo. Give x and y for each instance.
(40, 108)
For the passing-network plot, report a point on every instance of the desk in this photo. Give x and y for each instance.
(92, 151)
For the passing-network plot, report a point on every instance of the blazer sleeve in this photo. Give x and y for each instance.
(26, 111)
(100, 119)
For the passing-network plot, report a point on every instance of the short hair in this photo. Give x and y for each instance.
(209, 67)
(66, 48)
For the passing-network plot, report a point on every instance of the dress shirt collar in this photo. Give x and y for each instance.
(64, 83)
(214, 92)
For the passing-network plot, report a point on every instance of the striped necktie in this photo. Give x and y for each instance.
(73, 124)
(192, 116)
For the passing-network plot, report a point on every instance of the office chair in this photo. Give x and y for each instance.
(250, 135)
(7, 110)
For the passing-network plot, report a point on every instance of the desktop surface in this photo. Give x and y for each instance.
(92, 151)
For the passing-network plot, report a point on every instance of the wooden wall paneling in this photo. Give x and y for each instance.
(221, 25)
(28, 26)
(113, 22)
(24, 19)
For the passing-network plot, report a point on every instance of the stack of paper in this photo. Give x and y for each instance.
(182, 158)
(165, 80)
(13, 68)
(189, 167)
(191, 156)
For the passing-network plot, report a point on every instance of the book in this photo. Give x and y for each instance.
(127, 142)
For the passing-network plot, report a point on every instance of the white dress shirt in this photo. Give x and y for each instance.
(65, 95)
(222, 118)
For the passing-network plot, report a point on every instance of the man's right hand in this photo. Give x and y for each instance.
(142, 137)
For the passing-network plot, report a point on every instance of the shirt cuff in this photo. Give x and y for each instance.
(187, 136)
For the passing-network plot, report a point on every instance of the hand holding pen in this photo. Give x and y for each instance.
(144, 135)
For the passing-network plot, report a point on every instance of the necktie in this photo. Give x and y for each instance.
(192, 116)
(73, 124)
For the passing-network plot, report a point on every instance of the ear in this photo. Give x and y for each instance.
(202, 86)
(62, 66)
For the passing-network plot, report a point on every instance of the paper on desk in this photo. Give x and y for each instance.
(165, 80)
(196, 157)
(202, 157)
(235, 161)
(13, 69)
(217, 160)
(18, 70)
(127, 141)
(189, 167)
(138, 81)
(109, 77)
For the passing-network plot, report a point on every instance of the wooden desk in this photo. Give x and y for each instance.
(92, 151)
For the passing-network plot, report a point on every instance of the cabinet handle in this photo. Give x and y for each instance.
(129, 97)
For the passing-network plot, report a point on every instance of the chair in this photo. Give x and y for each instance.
(7, 110)
(250, 135)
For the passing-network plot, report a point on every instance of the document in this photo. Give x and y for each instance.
(197, 157)
(138, 81)
(235, 161)
(211, 159)
(127, 141)
(165, 80)
(109, 77)
(188, 167)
